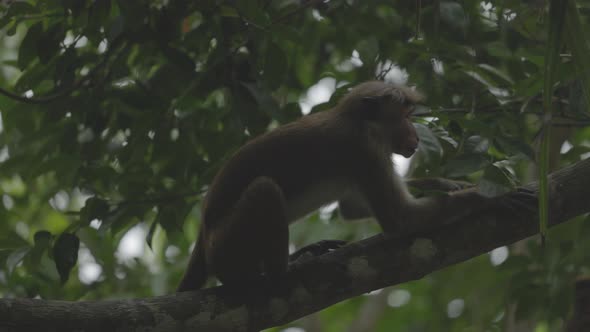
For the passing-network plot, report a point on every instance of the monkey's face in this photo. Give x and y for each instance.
(391, 122)
(404, 136)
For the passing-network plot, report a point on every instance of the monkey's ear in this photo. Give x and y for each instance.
(372, 107)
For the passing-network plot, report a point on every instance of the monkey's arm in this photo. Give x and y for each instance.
(438, 184)
(354, 207)
(385, 192)
(397, 211)
(431, 212)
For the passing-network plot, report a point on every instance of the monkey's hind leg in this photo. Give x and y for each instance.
(254, 239)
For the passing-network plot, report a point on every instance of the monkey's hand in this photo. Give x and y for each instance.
(315, 249)
(433, 212)
(521, 201)
(438, 184)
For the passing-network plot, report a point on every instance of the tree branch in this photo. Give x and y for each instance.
(67, 91)
(358, 268)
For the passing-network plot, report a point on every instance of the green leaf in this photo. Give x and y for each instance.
(252, 13)
(368, 49)
(98, 13)
(65, 254)
(32, 77)
(453, 14)
(180, 59)
(171, 217)
(466, 164)
(495, 182)
(42, 243)
(6, 20)
(578, 44)
(48, 45)
(27, 51)
(444, 136)
(65, 68)
(275, 66)
(264, 102)
(9, 239)
(498, 75)
(133, 14)
(150, 235)
(477, 144)
(11, 28)
(289, 113)
(94, 208)
(115, 28)
(512, 146)
(42, 238)
(429, 148)
(76, 6)
(228, 11)
(16, 257)
(171, 78)
(18, 8)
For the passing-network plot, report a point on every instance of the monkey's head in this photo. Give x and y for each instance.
(404, 138)
(385, 109)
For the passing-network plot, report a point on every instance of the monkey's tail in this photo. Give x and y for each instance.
(196, 271)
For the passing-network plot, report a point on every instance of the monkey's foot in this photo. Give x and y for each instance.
(315, 249)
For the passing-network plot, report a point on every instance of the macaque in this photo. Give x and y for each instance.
(279, 177)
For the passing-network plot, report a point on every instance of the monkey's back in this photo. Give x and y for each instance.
(312, 151)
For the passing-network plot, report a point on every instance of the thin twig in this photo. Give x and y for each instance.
(296, 10)
(60, 94)
(385, 71)
(559, 120)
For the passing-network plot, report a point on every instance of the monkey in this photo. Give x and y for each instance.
(281, 176)
(351, 208)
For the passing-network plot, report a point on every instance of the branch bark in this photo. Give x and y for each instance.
(358, 268)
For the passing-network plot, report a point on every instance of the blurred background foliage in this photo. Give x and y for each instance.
(115, 115)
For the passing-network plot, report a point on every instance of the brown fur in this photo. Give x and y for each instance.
(289, 172)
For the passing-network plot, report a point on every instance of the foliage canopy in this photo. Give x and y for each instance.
(116, 115)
